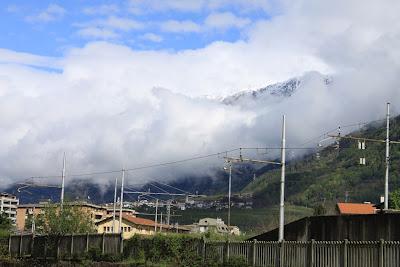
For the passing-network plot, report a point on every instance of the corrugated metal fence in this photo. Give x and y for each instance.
(66, 246)
(306, 254)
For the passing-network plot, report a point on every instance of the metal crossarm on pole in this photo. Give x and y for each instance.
(238, 160)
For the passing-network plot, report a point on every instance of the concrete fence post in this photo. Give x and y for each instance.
(87, 242)
(32, 244)
(58, 247)
(312, 253)
(282, 254)
(254, 252)
(121, 243)
(9, 244)
(72, 245)
(102, 242)
(45, 248)
(381, 253)
(226, 250)
(203, 249)
(20, 246)
(345, 252)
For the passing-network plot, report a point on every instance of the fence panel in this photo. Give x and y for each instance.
(26, 245)
(240, 249)
(295, 254)
(112, 244)
(267, 253)
(328, 253)
(363, 254)
(95, 241)
(391, 254)
(215, 250)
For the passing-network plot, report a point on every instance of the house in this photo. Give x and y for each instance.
(131, 225)
(95, 212)
(8, 206)
(213, 225)
(355, 208)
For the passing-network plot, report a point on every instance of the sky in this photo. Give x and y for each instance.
(133, 82)
(52, 27)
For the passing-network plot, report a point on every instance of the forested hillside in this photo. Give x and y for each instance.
(311, 181)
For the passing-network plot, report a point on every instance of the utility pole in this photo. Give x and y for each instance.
(282, 202)
(161, 222)
(387, 157)
(229, 195)
(155, 220)
(168, 211)
(62, 183)
(115, 203)
(121, 201)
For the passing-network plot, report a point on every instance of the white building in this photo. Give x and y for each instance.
(8, 205)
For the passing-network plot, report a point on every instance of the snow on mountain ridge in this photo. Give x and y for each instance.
(275, 91)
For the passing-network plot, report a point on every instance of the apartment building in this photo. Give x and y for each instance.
(95, 212)
(8, 206)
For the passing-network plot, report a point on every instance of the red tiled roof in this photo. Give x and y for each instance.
(138, 221)
(143, 221)
(356, 208)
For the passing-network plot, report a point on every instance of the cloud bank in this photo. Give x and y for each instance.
(107, 105)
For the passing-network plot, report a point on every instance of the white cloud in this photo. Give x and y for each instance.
(225, 20)
(13, 9)
(152, 37)
(107, 105)
(123, 24)
(97, 33)
(180, 26)
(51, 13)
(139, 6)
(109, 28)
(101, 10)
(196, 6)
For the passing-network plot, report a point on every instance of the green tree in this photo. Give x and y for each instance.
(394, 199)
(5, 225)
(70, 219)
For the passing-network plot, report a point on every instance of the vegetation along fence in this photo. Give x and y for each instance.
(255, 253)
(283, 254)
(310, 253)
(66, 246)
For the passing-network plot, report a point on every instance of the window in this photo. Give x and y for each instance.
(129, 228)
(104, 229)
(108, 228)
(98, 216)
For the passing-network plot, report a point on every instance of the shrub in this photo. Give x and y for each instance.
(177, 249)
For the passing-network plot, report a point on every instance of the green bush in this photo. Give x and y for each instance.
(95, 254)
(235, 262)
(179, 250)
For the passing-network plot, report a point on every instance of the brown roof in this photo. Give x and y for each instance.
(135, 220)
(139, 221)
(142, 221)
(356, 208)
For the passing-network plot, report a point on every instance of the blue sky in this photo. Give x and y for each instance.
(52, 27)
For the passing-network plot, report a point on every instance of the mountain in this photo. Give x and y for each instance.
(335, 174)
(275, 92)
